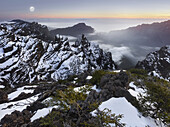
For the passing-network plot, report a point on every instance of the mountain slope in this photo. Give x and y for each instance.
(28, 54)
(156, 34)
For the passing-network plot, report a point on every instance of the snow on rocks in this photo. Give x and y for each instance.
(8, 108)
(1, 86)
(136, 90)
(77, 89)
(42, 113)
(95, 88)
(118, 71)
(89, 77)
(24, 89)
(157, 63)
(29, 52)
(131, 116)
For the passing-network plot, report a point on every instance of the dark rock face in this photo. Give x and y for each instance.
(111, 80)
(112, 85)
(75, 30)
(35, 106)
(3, 96)
(158, 61)
(16, 119)
(33, 56)
(33, 29)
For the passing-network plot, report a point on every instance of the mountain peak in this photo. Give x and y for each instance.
(76, 30)
(80, 24)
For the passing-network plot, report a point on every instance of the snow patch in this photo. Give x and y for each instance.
(1, 86)
(155, 74)
(8, 108)
(15, 94)
(132, 118)
(42, 113)
(95, 88)
(137, 90)
(118, 71)
(89, 77)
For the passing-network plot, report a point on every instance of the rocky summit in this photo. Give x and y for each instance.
(157, 63)
(28, 54)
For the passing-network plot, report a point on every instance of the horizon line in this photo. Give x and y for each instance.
(39, 17)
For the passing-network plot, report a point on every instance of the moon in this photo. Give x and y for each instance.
(32, 9)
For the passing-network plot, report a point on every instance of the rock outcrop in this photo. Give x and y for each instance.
(16, 119)
(28, 54)
(157, 62)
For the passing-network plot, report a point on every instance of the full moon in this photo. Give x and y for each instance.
(32, 9)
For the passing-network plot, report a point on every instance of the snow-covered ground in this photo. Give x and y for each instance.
(132, 118)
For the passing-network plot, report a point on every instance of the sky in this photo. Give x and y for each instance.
(12, 9)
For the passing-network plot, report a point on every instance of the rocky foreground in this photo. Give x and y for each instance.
(26, 105)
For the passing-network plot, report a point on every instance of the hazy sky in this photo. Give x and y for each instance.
(10, 9)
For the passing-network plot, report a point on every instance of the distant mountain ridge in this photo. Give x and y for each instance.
(155, 34)
(76, 30)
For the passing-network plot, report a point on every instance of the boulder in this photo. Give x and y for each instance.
(16, 119)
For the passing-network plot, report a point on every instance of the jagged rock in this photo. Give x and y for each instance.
(35, 57)
(35, 106)
(16, 119)
(158, 61)
(114, 80)
(22, 96)
(3, 96)
(112, 85)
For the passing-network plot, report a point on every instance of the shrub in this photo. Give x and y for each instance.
(71, 110)
(138, 71)
(156, 103)
(97, 75)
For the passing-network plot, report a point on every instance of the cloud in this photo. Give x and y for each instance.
(117, 52)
